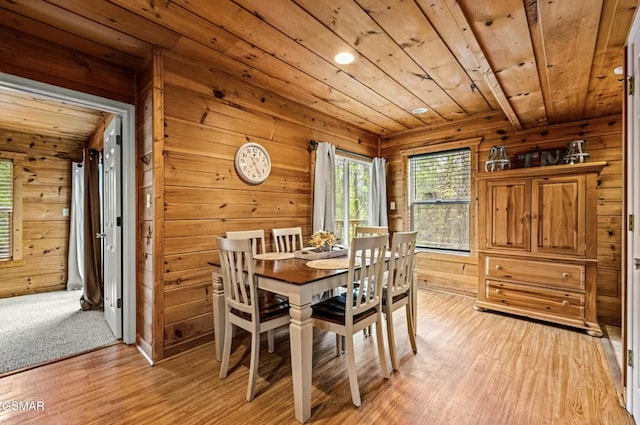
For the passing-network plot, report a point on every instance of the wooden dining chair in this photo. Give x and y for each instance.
(360, 306)
(255, 236)
(287, 239)
(371, 230)
(246, 306)
(397, 290)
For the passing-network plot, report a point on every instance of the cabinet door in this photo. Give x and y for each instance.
(558, 215)
(507, 223)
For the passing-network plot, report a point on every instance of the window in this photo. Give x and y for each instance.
(10, 206)
(440, 198)
(6, 208)
(353, 197)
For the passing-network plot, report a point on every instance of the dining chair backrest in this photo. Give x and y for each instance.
(255, 236)
(236, 262)
(287, 239)
(365, 275)
(401, 263)
(371, 230)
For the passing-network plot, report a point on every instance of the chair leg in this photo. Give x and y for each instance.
(226, 349)
(392, 340)
(381, 351)
(414, 305)
(341, 344)
(270, 343)
(253, 366)
(353, 377)
(367, 331)
(412, 331)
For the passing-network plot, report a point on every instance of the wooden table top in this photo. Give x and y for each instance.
(292, 270)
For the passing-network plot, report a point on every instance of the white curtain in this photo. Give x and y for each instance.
(75, 262)
(379, 193)
(324, 188)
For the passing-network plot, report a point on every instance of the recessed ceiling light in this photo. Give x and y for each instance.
(618, 70)
(420, 110)
(343, 58)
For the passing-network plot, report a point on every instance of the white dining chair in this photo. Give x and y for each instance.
(360, 306)
(255, 236)
(246, 306)
(371, 230)
(287, 239)
(397, 290)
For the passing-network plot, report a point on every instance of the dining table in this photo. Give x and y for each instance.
(293, 278)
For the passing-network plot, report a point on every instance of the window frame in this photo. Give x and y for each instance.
(346, 159)
(17, 159)
(436, 147)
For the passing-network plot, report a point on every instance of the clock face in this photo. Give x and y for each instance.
(253, 163)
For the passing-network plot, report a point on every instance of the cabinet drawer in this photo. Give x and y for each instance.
(543, 272)
(563, 303)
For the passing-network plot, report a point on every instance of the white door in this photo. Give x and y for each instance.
(112, 226)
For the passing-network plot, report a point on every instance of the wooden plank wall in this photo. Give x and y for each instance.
(46, 192)
(604, 142)
(37, 59)
(207, 116)
(145, 214)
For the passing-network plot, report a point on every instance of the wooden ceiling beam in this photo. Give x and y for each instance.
(449, 14)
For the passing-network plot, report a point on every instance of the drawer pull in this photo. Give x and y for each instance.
(565, 303)
(565, 275)
(498, 291)
(498, 267)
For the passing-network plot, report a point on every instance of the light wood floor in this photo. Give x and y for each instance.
(471, 368)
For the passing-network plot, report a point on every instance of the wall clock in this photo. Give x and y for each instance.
(253, 163)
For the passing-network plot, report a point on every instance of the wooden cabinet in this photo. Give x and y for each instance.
(537, 243)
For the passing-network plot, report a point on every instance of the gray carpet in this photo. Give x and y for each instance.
(39, 328)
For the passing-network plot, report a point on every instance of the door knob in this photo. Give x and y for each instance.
(636, 263)
(101, 235)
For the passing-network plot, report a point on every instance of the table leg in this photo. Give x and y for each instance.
(301, 341)
(219, 320)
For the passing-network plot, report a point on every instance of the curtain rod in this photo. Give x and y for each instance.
(313, 145)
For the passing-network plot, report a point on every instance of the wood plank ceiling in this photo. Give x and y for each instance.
(536, 62)
(35, 114)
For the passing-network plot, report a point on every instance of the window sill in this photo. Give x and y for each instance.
(11, 263)
(453, 256)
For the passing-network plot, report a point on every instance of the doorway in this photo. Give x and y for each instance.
(126, 220)
(632, 213)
